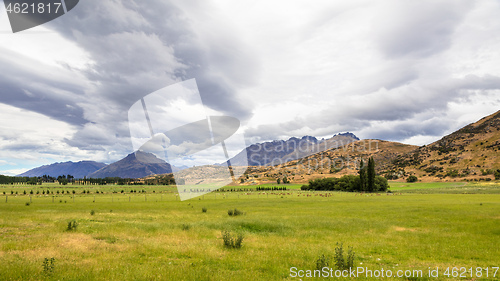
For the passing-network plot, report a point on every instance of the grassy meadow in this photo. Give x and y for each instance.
(154, 236)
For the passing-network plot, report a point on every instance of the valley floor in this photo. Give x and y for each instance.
(154, 236)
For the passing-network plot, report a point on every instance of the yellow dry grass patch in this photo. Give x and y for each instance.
(79, 242)
(400, 229)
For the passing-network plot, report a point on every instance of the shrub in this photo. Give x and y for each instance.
(235, 212)
(412, 178)
(322, 261)
(344, 263)
(48, 265)
(72, 225)
(230, 241)
(92, 212)
(27, 203)
(204, 209)
(185, 226)
(350, 258)
(339, 257)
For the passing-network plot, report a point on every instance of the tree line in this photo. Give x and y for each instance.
(69, 179)
(365, 181)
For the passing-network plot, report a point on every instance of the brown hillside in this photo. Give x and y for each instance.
(331, 163)
(471, 153)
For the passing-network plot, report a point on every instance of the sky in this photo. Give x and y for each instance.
(406, 71)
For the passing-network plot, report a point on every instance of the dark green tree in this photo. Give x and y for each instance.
(370, 175)
(362, 176)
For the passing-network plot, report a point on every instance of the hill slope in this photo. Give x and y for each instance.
(135, 165)
(334, 162)
(469, 153)
(78, 169)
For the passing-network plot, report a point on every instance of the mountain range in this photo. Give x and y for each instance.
(78, 169)
(281, 151)
(141, 164)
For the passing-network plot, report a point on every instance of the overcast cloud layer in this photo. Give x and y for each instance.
(394, 70)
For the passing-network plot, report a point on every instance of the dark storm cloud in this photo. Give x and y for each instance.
(139, 47)
(34, 90)
(135, 48)
(405, 129)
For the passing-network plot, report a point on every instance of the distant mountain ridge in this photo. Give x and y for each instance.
(281, 151)
(76, 169)
(135, 165)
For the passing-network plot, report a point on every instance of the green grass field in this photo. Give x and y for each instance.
(154, 236)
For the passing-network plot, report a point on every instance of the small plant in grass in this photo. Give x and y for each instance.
(343, 263)
(185, 226)
(72, 225)
(235, 212)
(204, 209)
(27, 203)
(48, 265)
(230, 241)
(349, 263)
(92, 212)
(322, 261)
(339, 256)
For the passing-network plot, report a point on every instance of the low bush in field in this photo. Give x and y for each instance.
(340, 261)
(230, 241)
(235, 212)
(322, 261)
(72, 225)
(48, 265)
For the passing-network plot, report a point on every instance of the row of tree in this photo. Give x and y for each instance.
(65, 179)
(273, 188)
(366, 181)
